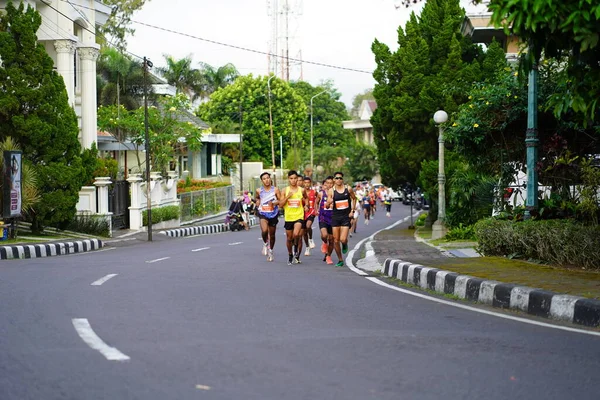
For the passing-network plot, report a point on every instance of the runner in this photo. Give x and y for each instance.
(387, 202)
(366, 205)
(267, 204)
(325, 221)
(343, 200)
(357, 210)
(294, 203)
(309, 215)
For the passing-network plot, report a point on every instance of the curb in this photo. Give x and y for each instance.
(49, 249)
(541, 303)
(202, 229)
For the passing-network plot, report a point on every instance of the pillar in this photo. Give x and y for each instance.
(65, 49)
(101, 184)
(135, 210)
(88, 57)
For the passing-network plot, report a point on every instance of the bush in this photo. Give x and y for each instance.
(559, 242)
(161, 214)
(194, 185)
(421, 219)
(91, 225)
(461, 232)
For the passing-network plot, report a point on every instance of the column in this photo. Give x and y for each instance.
(102, 184)
(135, 210)
(65, 49)
(88, 57)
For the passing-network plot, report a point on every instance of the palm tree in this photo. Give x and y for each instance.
(217, 78)
(120, 79)
(30, 194)
(180, 74)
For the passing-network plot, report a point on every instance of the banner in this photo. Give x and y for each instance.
(11, 193)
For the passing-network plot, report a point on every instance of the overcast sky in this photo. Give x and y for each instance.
(336, 32)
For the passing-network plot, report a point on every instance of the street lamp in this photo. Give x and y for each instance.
(271, 124)
(311, 128)
(439, 228)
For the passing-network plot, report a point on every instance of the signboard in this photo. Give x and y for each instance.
(11, 184)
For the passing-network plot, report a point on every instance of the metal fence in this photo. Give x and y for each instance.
(204, 203)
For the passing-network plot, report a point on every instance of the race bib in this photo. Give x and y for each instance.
(294, 203)
(268, 207)
(341, 204)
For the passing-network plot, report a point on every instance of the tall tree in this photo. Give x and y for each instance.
(120, 79)
(35, 112)
(246, 100)
(180, 74)
(212, 79)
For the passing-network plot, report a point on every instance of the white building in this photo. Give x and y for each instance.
(68, 33)
(363, 130)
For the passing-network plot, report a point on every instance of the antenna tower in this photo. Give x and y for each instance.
(284, 42)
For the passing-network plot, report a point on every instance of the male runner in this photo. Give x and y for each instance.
(267, 204)
(309, 215)
(294, 203)
(325, 220)
(343, 199)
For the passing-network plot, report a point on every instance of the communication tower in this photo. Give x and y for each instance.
(285, 53)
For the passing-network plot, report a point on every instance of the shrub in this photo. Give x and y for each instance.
(421, 219)
(559, 242)
(161, 214)
(194, 185)
(461, 232)
(91, 225)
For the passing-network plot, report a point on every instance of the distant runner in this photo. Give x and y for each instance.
(309, 215)
(343, 200)
(267, 203)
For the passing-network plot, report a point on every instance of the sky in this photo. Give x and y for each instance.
(334, 32)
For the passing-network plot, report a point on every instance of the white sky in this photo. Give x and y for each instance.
(337, 32)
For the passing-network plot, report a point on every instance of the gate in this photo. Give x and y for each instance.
(118, 203)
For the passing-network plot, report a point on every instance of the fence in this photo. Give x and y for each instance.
(203, 203)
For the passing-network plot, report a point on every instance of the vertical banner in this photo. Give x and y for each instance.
(11, 193)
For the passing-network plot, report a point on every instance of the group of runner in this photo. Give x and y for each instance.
(333, 204)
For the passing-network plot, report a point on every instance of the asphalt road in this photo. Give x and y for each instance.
(214, 320)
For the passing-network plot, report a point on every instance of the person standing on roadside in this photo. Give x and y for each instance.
(267, 204)
(294, 203)
(343, 200)
(309, 215)
(325, 220)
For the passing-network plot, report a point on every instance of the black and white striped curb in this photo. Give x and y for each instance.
(541, 303)
(49, 249)
(202, 230)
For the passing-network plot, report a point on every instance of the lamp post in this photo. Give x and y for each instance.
(439, 228)
(271, 124)
(147, 65)
(311, 128)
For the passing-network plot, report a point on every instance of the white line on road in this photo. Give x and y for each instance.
(102, 280)
(87, 334)
(157, 260)
(200, 249)
(235, 243)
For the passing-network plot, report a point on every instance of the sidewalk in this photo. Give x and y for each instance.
(567, 295)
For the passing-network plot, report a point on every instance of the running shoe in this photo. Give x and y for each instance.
(344, 248)
(307, 251)
(270, 256)
(296, 259)
(290, 259)
(328, 260)
(339, 264)
(324, 248)
(311, 243)
(265, 249)
(366, 222)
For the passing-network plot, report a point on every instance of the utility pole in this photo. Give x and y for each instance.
(241, 152)
(147, 64)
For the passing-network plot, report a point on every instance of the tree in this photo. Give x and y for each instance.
(362, 161)
(212, 79)
(246, 100)
(180, 74)
(35, 112)
(120, 79)
(118, 25)
(432, 69)
(559, 28)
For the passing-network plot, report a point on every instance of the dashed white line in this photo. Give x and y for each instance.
(235, 243)
(87, 334)
(102, 280)
(201, 249)
(157, 260)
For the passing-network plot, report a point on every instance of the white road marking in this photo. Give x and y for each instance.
(157, 260)
(450, 303)
(235, 243)
(102, 280)
(200, 249)
(87, 334)
(202, 387)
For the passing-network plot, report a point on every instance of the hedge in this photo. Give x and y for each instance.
(558, 242)
(161, 214)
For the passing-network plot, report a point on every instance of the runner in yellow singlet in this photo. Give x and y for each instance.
(294, 203)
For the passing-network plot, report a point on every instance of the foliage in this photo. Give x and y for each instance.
(120, 80)
(357, 101)
(35, 112)
(362, 161)
(194, 185)
(461, 232)
(212, 79)
(90, 224)
(160, 214)
(471, 196)
(559, 28)
(247, 100)
(559, 242)
(30, 193)
(90, 162)
(588, 209)
(421, 219)
(107, 167)
(431, 70)
(118, 25)
(169, 128)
